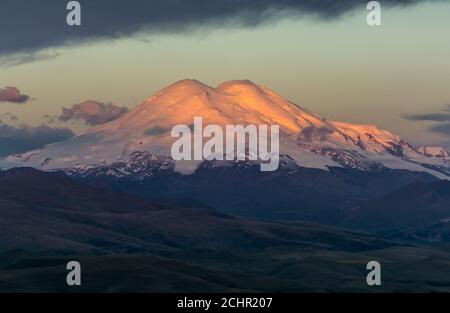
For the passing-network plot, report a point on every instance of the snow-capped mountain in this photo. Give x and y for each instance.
(141, 139)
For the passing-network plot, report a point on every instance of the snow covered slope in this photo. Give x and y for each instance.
(435, 152)
(308, 139)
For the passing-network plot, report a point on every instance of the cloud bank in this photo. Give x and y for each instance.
(25, 138)
(13, 95)
(41, 24)
(442, 118)
(92, 112)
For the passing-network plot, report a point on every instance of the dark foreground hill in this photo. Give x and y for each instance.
(126, 243)
(290, 193)
(277, 269)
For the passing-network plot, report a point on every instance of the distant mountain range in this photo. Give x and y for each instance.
(396, 204)
(51, 212)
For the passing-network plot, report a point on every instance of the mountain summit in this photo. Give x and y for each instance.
(305, 137)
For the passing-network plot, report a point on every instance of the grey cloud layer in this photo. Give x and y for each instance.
(442, 118)
(92, 112)
(13, 95)
(19, 139)
(434, 117)
(441, 129)
(31, 25)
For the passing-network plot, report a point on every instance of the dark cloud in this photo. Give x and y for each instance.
(92, 112)
(25, 138)
(441, 129)
(442, 116)
(435, 117)
(442, 119)
(12, 94)
(32, 25)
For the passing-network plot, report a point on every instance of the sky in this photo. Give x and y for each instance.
(319, 54)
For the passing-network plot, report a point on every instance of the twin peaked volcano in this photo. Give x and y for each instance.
(307, 138)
